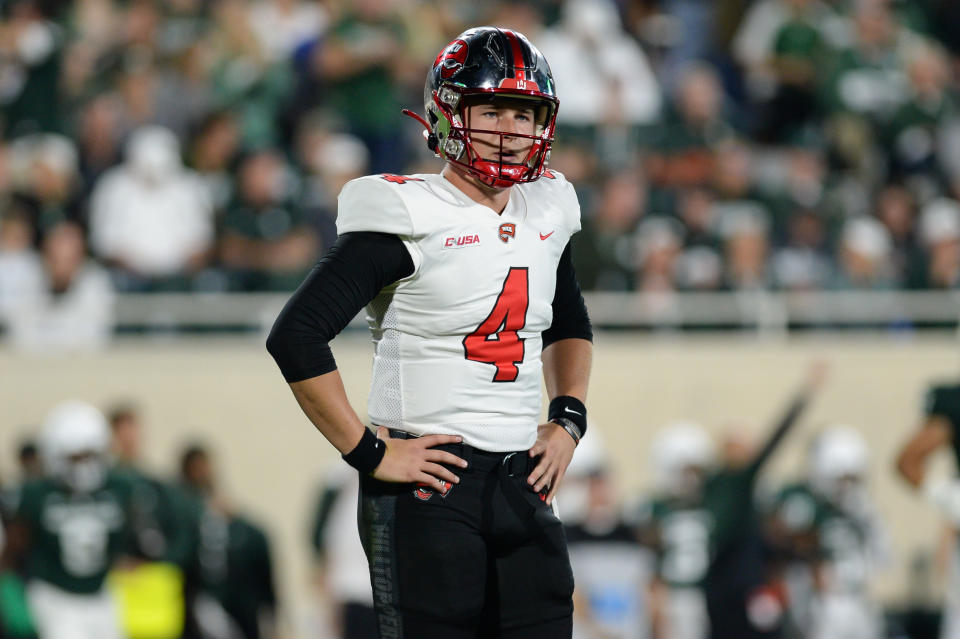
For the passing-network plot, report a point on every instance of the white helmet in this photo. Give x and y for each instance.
(71, 429)
(589, 460)
(681, 447)
(589, 457)
(837, 454)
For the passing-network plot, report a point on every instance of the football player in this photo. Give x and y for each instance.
(838, 537)
(472, 300)
(70, 526)
(678, 526)
(235, 594)
(744, 599)
(938, 431)
(160, 542)
(612, 571)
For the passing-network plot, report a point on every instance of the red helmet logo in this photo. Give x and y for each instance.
(452, 58)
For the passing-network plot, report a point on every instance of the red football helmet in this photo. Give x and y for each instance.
(489, 64)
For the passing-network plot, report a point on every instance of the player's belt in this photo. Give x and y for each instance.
(515, 463)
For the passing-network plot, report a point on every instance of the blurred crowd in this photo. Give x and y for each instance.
(199, 145)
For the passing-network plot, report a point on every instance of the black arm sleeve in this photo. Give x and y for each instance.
(351, 274)
(570, 318)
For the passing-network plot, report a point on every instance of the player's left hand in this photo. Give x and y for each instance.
(555, 448)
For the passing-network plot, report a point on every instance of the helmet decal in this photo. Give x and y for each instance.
(452, 58)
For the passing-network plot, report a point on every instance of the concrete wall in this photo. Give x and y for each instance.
(229, 394)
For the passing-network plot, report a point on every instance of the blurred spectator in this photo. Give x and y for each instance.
(744, 228)
(330, 160)
(98, 138)
(242, 76)
(19, 263)
(68, 303)
(604, 82)
(791, 180)
(212, 153)
(700, 267)
(803, 263)
(283, 25)
(940, 235)
(237, 597)
(343, 575)
(864, 256)
(695, 22)
(658, 244)
(913, 135)
(150, 218)
(611, 570)
(866, 84)
(361, 60)
(30, 59)
(603, 254)
(784, 44)
(267, 243)
(683, 146)
(44, 169)
(896, 209)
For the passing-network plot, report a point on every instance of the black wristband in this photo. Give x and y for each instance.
(571, 408)
(366, 455)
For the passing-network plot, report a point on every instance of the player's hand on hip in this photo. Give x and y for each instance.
(416, 460)
(555, 448)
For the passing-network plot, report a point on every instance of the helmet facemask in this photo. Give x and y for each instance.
(454, 135)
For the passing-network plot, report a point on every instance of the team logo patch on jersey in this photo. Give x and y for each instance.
(423, 492)
(507, 231)
(460, 242)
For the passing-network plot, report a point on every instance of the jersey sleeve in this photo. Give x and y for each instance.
(372, 203)
(566, 197)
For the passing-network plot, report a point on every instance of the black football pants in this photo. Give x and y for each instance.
(485, 560)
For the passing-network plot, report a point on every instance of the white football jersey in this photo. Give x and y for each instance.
(458, 342)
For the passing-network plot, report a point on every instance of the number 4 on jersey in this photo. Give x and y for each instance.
(496, 340)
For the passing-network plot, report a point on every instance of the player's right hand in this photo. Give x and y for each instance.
(415, 460)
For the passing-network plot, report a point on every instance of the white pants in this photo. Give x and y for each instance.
(845, 616)
(59, 614)
(950, 626)
(687, 614)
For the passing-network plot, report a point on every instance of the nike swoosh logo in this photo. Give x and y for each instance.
(543, 237)
(567, 409)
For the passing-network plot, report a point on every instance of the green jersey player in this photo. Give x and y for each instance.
(70, 526)
(938, 430)
(837, 538)
(678, 526)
